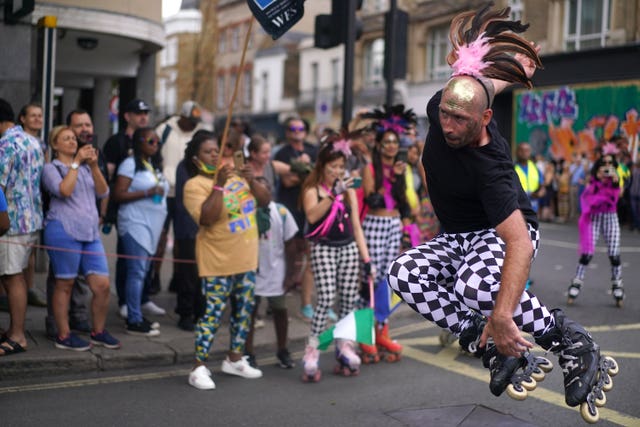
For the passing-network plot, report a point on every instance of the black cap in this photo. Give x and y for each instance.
(136, 106)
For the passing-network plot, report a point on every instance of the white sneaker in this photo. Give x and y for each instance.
(200, 378)
(123, 312)
(150, 307)
(240, 368)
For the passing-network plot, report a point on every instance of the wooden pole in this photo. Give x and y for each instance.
(233, 96)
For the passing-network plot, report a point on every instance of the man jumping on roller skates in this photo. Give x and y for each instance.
(471, 279)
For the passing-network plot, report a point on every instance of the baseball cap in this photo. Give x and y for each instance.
(191, 110)
(136, 106)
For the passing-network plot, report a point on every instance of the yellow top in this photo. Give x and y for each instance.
(230, 245)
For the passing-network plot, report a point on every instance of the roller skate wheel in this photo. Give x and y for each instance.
(392, 358)
(538, 374)
(545, 364)
(613, 366)
(529, 383)
(608, 383)
(517, 392)
(588, 415)
(601, 399)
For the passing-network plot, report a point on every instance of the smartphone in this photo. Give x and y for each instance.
(402, 156)
(357, 182)
(238, 160)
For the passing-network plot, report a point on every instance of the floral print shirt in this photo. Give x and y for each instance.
(21, 163)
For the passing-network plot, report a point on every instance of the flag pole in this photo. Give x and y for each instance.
(234, 95)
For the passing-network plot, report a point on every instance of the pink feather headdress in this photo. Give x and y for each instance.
(342, 146)
(610, 149)
(484, 44)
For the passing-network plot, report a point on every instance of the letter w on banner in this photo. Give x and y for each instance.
(277, 16)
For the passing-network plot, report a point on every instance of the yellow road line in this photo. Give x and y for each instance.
(445, 359)
(95, 381)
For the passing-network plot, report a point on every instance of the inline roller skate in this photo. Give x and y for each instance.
(617, 290)
(573, 291)
(587, 374)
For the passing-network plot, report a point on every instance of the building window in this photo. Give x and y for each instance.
(169, 55)
(516, 9)
(220, 98)
(315, 77)
(222, 41)
(246, 83)
(437, 50)
(235, 38)
(586, 23)
(374, 62)
(377, 5)
(265, 91)
(335, 73)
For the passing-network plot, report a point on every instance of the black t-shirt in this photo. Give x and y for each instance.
(471, 188)
(117, 148)
(289, 196)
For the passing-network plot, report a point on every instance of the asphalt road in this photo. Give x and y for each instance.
(430, 386)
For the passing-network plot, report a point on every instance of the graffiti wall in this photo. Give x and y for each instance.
(560, 121)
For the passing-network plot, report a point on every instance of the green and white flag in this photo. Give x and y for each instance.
(356, 326)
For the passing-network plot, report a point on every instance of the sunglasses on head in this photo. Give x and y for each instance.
(296, 128)
(389, 141)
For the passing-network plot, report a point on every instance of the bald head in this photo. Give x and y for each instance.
(466, 93)
(463, 112)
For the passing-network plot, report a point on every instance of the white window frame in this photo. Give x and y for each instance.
(221, 89)
(222, 41)
(247, 87)
(169, 55)
(578, 39)
(517, 8)
(438, 47)
(374, 62)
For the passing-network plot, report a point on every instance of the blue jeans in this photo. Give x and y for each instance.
(136, 272)
(121, 278)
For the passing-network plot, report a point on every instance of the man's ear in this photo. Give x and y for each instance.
(486, 116)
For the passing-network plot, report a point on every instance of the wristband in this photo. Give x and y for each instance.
(217, 187)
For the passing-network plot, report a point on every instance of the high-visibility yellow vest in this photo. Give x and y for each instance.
(530, 180)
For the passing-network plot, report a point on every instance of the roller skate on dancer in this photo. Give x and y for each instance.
(587, 374)
(617, 290)
(517, 375)
(310, 364)
(348, 361)
(369, 354)
(390, 350)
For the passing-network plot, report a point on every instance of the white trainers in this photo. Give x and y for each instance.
(200, 378)
(123, 312)
(150, 307)
(240, 368)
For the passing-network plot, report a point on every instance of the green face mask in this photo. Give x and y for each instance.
(205, 168)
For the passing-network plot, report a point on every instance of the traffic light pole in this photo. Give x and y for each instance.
(349, 54)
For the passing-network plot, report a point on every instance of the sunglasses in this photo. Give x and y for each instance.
(389, 141)
(152, 141)
(296, 128)
(607, 162)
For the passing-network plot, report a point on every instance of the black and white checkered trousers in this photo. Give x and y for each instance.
(446, 277)
(607, 224)
(383, 235)
(335, 271)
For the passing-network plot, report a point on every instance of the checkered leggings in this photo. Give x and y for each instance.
(335, 270)
(608, 225)
(383, 234)
(452, 274)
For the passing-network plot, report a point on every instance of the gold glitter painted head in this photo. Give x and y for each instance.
(466, 94)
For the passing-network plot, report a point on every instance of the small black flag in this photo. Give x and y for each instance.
(277, 16)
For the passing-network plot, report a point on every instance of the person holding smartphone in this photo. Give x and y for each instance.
(599, 215)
